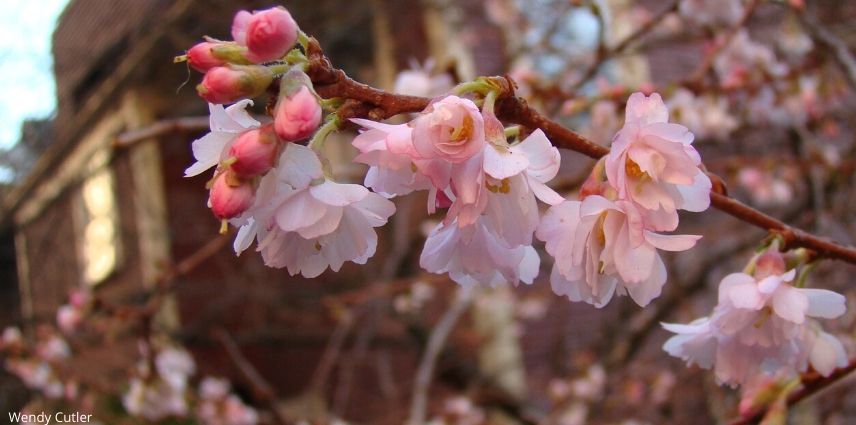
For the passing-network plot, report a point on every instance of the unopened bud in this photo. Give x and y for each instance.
(268, 34)
(209, 54)
(228, 84)
(254, 151)
(230, 196)
(297, 116)
(770, 263)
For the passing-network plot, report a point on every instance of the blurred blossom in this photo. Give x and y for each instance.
(711, 12)
(592, 385)
(532, 308)
(605, 122)
(744, 60)
(764, 187)
(418, 81)
(706, 116)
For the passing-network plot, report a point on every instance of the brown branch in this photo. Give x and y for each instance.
(160, 128)
(376, 104)
(262, 389)
(425, 372)
(812, 383)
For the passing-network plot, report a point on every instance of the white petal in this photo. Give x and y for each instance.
(671, 242)
(824, 303)
(501, 162)
(299, 165)
(207, 150)
(338, 194)
(827, 354)
(544, 158)
(790, 304)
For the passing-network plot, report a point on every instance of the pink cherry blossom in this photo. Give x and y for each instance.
(475, 254)
(306, 222)
(394, 167)
(217, 406)
(418, 81)
(515, 176)
(451, 128)
(711, 12)
(762, 325)
(226, 125)
(602, 247)
(268, 34)
(297, 116)
(653, 164)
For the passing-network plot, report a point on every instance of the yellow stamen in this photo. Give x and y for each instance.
(463, 132)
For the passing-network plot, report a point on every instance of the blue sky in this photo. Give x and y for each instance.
(26, 73)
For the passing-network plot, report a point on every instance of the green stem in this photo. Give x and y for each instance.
(513, 131)
(317, 141)
(303, 39)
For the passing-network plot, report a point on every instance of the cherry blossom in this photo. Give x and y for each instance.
(451, 128)
(761, 325)
(475, 254)
(394, 167)
(602, 248)
(653, 164)
(306, 222)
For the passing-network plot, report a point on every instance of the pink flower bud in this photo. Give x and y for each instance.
(769, 263)
(254, 151)
(201, 57)
(268, 34)
(209, 54)
(296, 117)
(230, 196)
(228, 84)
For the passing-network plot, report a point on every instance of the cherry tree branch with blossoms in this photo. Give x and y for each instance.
(377, 104)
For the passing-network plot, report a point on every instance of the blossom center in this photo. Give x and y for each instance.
(502, 187)
(463, 132)
(632, 169)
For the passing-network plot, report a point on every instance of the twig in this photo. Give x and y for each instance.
(365, 101)
(839, 49)
(159, 128)
(261, 388)
(811, 384)
(698, 75)
(425, 373)
(605, 53)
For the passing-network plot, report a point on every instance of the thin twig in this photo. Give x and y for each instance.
(811, 384)
(425, 373)
(826, 38)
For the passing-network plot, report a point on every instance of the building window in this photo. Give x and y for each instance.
(99, 238)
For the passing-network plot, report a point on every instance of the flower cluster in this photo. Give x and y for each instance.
(461, 156)
(37, 366)
(164, 391)
(607, 242)
(218, 406)
(278, 191)
(762, 326)
(160, 392)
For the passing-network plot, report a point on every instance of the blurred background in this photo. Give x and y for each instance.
(95, 131)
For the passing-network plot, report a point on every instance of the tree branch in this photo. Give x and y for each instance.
(811, 384)
(367, 102)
